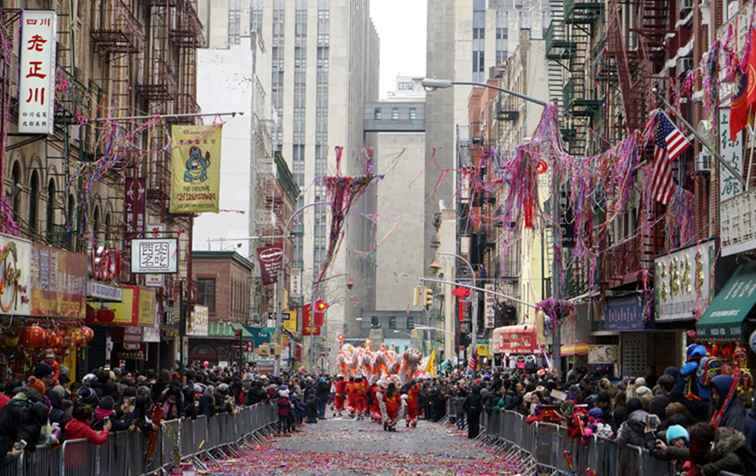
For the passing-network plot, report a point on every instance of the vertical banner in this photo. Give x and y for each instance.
(195, 168)
(290, 324)
(490, 306)
(36, 86)
(732, 153)
(134, 207)
(271, 260)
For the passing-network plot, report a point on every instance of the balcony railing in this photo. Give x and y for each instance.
(622, 262)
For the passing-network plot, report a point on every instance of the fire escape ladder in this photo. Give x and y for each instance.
(617, 49)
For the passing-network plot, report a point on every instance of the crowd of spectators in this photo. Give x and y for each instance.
(702, 428)
(48, 408)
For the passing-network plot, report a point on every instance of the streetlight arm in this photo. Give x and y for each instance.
(431, 83)
(484, 291)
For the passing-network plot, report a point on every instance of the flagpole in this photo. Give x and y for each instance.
(737, 174)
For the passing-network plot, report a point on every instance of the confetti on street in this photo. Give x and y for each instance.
(345, 447)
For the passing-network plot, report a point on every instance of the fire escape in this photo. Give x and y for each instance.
(568, 41)
(635, 35)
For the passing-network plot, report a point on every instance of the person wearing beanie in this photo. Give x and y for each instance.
(678, 436)
(103, 412)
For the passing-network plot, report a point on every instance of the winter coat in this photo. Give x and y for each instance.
(76, 429)
(21, 419)
(284, 406)
(633, 431)
(473, 403)
(726, 455)
(750, 430)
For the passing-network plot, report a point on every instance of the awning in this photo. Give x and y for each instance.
(514, 339)
(723, 319)
(225, 330)
(580, 348)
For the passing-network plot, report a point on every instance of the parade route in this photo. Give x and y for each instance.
(348, 447)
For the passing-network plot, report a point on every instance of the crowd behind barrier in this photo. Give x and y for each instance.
(124, 453)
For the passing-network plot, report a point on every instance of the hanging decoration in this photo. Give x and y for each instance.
(342, 191)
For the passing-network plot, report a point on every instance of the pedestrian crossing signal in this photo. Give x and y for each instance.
(428, 297)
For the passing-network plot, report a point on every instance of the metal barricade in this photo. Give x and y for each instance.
(115, 455)
(213, 432)
(630, 461)
(199, 434)
(43, 461)
(11, 465)
(169, 438)
(652, 465)
(186, 434)
(546, 443)
(79, 459)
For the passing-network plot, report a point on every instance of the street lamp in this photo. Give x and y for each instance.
(431, 84)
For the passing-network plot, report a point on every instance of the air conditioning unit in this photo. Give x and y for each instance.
(683, 66)
(703, 163)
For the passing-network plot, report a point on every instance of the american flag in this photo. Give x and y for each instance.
(669, 143)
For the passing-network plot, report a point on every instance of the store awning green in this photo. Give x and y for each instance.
(723, 319)
(227, 330)
(261, 335)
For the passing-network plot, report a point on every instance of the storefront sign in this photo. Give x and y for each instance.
(490, 306)
(198, 322)
(134, 206)
(154, 255)
(58, 282)
(737, 222)
(271, 259)
(603, 354)
(151, 334)
(731, 153)
(682, 282)
(36, 87)
(103, 292)
(15, 276)
(132, 338)
(105, 264)
(137, 307)
(290, 321)
(308, 326)
(624, 314)
(514, 340)
(195, 166)
(154, 280)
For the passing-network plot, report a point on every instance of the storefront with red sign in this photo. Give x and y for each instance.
(514, 340)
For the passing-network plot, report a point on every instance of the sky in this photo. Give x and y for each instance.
(401, 29)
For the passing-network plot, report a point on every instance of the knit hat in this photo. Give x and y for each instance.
(37, 384)
(596, 413)
(675, 432)
(42, 370)
(107, 403)
(642, 391)
(640, 381)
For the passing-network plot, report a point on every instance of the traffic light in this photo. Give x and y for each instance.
(321, 306)
(428, 297)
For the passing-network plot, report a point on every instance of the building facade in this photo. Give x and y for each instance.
(324, 68)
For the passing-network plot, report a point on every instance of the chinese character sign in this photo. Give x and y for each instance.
(195, 165)
(732, 153)
(154, 255)
(134, 206)
(490, 303)
(36, 88)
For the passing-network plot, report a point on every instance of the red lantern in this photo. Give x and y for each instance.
(34, 336)
(91, 314)
(88, 333)
(54, 339)
(77, 337)
(105, 315)
(542, 167)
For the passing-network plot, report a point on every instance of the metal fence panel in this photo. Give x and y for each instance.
(79, 458)
(43, 461)
(170, 450)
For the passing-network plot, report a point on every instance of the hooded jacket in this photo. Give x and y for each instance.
(729, 445)
(734, 414)
(633, 431)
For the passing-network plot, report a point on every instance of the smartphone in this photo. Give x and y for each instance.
(652, 422)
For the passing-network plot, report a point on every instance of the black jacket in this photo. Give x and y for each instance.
(21, 419)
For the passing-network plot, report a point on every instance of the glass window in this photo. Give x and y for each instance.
(394, 113)
(206, 293)
(412, 113)
(378, 114)
(392, 323)
(410, 321)
(374, 322)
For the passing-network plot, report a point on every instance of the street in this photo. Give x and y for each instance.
(347, 447)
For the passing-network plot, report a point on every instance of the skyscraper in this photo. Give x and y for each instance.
(324, 68)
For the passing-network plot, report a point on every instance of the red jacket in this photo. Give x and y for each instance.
(76, 429)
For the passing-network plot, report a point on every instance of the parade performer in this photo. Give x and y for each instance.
(413, 404)
(340, 389)
(351, 392)
(393, 404)
(362, 391)
(373, 404)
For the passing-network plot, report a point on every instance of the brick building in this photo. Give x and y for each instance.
(222, 280)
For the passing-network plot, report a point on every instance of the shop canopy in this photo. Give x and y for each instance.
(723, 319)
(515, 339)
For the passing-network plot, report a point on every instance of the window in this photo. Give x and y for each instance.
(108, 224)
(412, 113)
(96, 225)
(378, 114)
(33, 196)
(394, 113)
(479, 61)
(479, 33)
(374, 322)
(206, 293)
(16, 190)
(392, 323)
(410, 321)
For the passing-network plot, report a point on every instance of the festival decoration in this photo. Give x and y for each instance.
(34, 336)
(342, 192)
(461, 294)
(88, 333)
(555, 310)
(353, 361)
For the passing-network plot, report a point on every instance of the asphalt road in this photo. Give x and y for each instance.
(341, 446)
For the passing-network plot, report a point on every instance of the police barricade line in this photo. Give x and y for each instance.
(546, 439)
(630, 460)
(78, 459)
(169, 438)
(199, 435)
(115, 454)
(43, 461)
(186, 434)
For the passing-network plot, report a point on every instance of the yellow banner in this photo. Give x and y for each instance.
(126, 310)
(195, 168)
(290, 324)
(146, 307)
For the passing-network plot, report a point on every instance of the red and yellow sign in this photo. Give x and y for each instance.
(137, 308)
